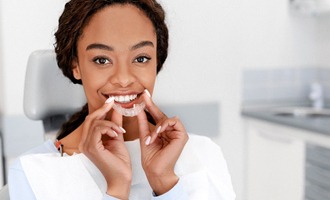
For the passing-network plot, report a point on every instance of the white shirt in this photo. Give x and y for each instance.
(201, 168)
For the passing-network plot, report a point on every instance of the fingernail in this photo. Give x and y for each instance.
(122, 129)
(158, 129)
(148, 93)
(115, 133)
(109, 100)
(148, 140)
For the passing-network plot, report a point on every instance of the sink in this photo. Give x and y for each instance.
(302, 112)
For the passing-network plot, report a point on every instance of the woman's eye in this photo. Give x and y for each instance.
(142, 59)
(101, 61)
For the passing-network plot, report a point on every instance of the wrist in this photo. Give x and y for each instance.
(162, 184)
(119, 189)
(119, 192)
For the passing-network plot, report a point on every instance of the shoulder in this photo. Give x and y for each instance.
(202, 151)
(46, 147)
(193, 138)
(205, 153)
(204, 143)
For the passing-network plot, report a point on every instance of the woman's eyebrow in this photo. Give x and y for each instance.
(142, 44)
(99, 46)
(110, 48)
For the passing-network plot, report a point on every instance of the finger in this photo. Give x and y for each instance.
(97, 114)
(94, 140)
(172, 123)
(117, 118)
(173, 128)
(144, 131)
(106, 130)
(173, 131)
(155, 112)
(100, 128)
(108, 126)
(101, 112)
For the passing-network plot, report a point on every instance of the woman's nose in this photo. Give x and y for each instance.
(122, 76)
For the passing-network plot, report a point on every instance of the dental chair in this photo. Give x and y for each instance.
(48, 96)
(53, 98)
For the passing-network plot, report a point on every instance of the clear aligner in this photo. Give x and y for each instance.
(130, 112)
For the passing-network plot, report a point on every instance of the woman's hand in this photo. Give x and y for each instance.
(160, 147)
(102, 142)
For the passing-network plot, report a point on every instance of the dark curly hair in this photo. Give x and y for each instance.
(75, 17)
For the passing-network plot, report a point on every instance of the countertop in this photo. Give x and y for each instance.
(319, 125)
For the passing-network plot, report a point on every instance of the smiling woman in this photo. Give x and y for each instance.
(120, 145)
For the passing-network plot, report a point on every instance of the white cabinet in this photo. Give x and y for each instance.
(275, 162)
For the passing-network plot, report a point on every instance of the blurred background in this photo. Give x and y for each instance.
(265, 64)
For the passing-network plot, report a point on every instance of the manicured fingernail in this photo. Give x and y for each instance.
(148, 140)
(122, 129)
(109, 100)
(116, 134)
(158, 129)
(148, 93)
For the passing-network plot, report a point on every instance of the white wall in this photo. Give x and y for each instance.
(1, 66)
(323, 41)
(1, 104)
(211, 42)
(25, 26)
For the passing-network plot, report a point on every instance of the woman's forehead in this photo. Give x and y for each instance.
(119, 24)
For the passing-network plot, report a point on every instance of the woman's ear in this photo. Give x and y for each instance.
(76, 70)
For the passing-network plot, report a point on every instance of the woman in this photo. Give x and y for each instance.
(115, 50)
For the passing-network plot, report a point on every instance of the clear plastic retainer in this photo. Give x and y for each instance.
(130, 112)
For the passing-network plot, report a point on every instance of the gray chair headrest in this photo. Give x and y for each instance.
(47, 92)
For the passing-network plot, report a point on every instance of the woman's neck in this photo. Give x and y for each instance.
(71, 141)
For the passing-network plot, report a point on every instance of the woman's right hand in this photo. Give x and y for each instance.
(103, 143)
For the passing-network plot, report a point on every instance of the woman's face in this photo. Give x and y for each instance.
(117, 56)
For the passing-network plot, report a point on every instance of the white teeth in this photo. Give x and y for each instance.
(125, 98)
(121, 98)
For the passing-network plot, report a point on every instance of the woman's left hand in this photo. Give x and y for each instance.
(160, 147)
